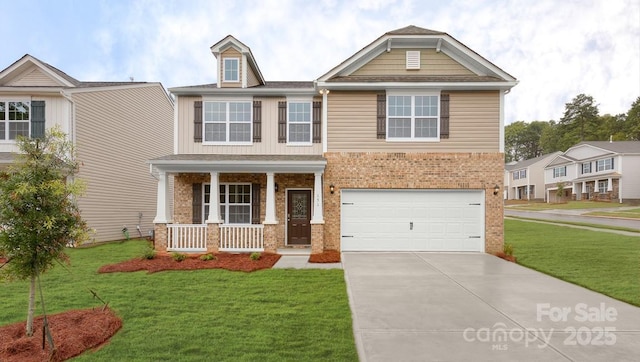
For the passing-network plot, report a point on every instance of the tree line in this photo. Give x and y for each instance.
(581, 122)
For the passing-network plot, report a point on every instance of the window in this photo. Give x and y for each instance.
(520, 174)
(603, 165)
(560, 171)
(15, 118)
(586, 167)
(227, 122)
(231, 70)
(299, 122)
(413, 117)
(602, 186)
(523, 173)
(516, 175)
(235, 203)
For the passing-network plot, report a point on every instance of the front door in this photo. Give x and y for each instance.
(299, 217)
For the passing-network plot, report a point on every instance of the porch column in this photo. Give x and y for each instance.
(318, 216)
(214, 200)
(270, 215)
(609, 184)
(162, 206)
(584, 187)
(574, 188)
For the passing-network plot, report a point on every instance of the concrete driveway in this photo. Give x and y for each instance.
(477, 307)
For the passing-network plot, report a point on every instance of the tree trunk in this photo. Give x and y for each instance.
(32, 306)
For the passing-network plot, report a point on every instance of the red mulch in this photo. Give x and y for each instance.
(506, 257)
(236, 262)
(73, 332)
(327, 256)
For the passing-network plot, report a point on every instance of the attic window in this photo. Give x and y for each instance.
(413, 59)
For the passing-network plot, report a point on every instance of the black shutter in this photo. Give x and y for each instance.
(37, 119)
(612, 166)
(317, 122)
(197, 121)
(197, 203)
(382, 116)
(444, 115)
(257, 121)
(282, 122)
(255, 203)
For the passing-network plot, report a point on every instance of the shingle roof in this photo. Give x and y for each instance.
(267, 85)
(616, 146)
(529, 162)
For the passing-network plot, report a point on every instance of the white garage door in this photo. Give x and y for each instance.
(412, 220)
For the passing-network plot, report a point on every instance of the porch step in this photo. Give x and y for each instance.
(295, 251)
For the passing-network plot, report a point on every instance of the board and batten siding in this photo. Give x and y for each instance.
(33, 77)
(117, 131)
(57, 111)
(474, 124)
(394, 63)
(268, 146)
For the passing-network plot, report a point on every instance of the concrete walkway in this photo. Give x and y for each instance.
(302, 262)
(477, 307)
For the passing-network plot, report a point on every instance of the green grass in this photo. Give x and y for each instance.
(571, 205)
(631, 214)
(269, 315)
(603, 262)
(596, 226)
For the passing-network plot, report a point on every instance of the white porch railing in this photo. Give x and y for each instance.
(241, 238)
(186, 237)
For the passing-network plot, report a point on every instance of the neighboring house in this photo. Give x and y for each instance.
(116, 127)
(595, 170)
(524, 180)
(399, 147)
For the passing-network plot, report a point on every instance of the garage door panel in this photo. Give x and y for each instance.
(408, 220)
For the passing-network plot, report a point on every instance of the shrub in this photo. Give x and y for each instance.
(207, 257)
(508, 249)
(149, 253)
(255, 256)
(178, 256)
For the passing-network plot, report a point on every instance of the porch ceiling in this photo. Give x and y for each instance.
(196, 163)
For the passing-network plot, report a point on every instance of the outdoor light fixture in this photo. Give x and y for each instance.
(332, 189)
(276, 187)
(496, 189)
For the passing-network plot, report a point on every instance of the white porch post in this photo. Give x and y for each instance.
(214, 200)
(270, 215)
(584, 187)
(162, 206)
(573, 188)
(609, 184)
(318, 213)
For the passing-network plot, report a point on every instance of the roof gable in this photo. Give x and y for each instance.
(436, 42)
(611, 146)
(560, 160)
(231, 42)
(30, 71)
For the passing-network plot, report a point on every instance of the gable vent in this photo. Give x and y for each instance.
(413, 59)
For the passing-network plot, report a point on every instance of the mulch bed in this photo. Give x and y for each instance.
(235, 262)
(74, 332)
(327, 256)
(506, 257)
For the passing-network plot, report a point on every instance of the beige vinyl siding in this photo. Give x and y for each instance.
(57, 112)
(33, 77)
(252, 79)
(394, 63)
(117, 132)
(268, 146)
(230, 53)
(629, 166)
(474, 124)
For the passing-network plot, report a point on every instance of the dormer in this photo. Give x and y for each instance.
(237, 68)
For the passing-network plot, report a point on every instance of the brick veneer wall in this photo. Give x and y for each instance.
(480, 171)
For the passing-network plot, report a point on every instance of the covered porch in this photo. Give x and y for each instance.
(604, 187)
(239, 203)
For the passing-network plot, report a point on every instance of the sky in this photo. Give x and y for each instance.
(556, 49)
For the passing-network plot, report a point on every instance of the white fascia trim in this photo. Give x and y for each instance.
(421, 85)
(114, 87)
(231, 92)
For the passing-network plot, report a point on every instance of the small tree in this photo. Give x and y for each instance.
(560, 191)
(38, 213)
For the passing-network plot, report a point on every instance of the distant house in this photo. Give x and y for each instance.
(397, 148)
(116, 127)
(595, 170)
(524, 180)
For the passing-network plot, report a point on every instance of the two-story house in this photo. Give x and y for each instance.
(524, 180)
(595, 170)
(115, 126)
(399, 147)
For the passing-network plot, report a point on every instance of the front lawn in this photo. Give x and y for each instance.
(571, 205)
(269, 315)
(601, 261)
(630, 214)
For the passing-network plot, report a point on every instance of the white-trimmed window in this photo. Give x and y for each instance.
(235, 203)
(299, 121)
(15, 118)
(227, 122)
(231, 69)
(602, 186)
(603, 165)
(586, 167)
(516, 175)
(520, 174)
(413, 117)
(559, 171)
